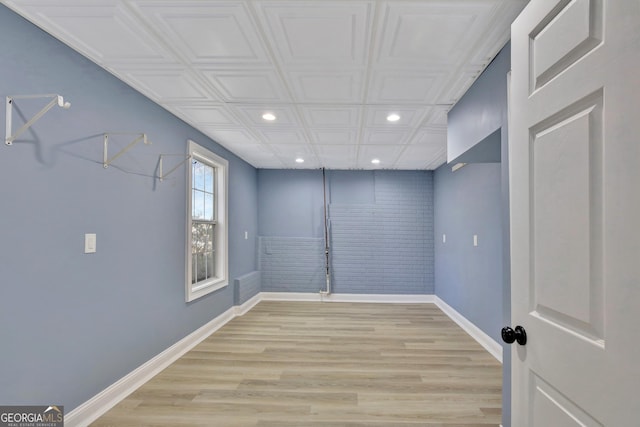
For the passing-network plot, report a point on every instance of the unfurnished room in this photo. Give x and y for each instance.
(319, 213)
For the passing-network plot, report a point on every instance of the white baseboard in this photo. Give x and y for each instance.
(489, 344)
(95, 407)
(289, 296)
(241, 310)
(378, 298)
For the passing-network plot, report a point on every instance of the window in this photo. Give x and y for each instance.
(207, 228)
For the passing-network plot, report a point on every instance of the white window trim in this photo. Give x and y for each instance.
(197, 290)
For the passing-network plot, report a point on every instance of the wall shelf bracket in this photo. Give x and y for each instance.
(55, 100)
(106, 161)
(162, 175)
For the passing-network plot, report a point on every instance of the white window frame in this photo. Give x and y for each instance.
(196, 290)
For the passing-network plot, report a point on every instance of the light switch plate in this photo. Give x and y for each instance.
(89, 243)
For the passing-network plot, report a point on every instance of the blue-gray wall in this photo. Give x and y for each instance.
(475, 200)
(72, 324)
(291, 243)
(381, 231)
(480, 111)
(469, 278)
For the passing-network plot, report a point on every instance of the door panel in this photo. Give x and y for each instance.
(551, 408)
(565, 159)
(564, 35)
(575, 212)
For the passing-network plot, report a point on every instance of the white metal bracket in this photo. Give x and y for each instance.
(106, 160)
(162, 175)
(55, 99)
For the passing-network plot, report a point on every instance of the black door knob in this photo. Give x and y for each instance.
(510, 335)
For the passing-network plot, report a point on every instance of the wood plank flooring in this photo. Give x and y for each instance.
(299, 364)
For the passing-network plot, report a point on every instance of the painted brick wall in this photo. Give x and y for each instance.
(292, 264)
(381, 231)
(385, 247)
(246, 286)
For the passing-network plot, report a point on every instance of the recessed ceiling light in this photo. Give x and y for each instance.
(375, 161)
(393, 117)
(299, 160)
(269, 116)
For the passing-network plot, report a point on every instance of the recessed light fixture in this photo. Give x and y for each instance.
(393, 117)
(269, 116)
(299, 160)
(375, 161)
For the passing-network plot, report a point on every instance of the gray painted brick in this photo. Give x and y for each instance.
(383, 247)
(387, 246)
(292, 264)
(246, 286)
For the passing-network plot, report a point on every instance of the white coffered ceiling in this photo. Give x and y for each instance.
(330, 71)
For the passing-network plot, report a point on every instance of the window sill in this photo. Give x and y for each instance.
(206, 288)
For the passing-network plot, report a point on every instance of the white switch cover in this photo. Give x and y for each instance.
(246, 235)
(444, 238)
(89, 243)
(475, 240)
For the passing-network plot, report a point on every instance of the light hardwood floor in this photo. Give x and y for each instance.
(297, 364)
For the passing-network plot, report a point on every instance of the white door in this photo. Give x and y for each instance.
(575, 213)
